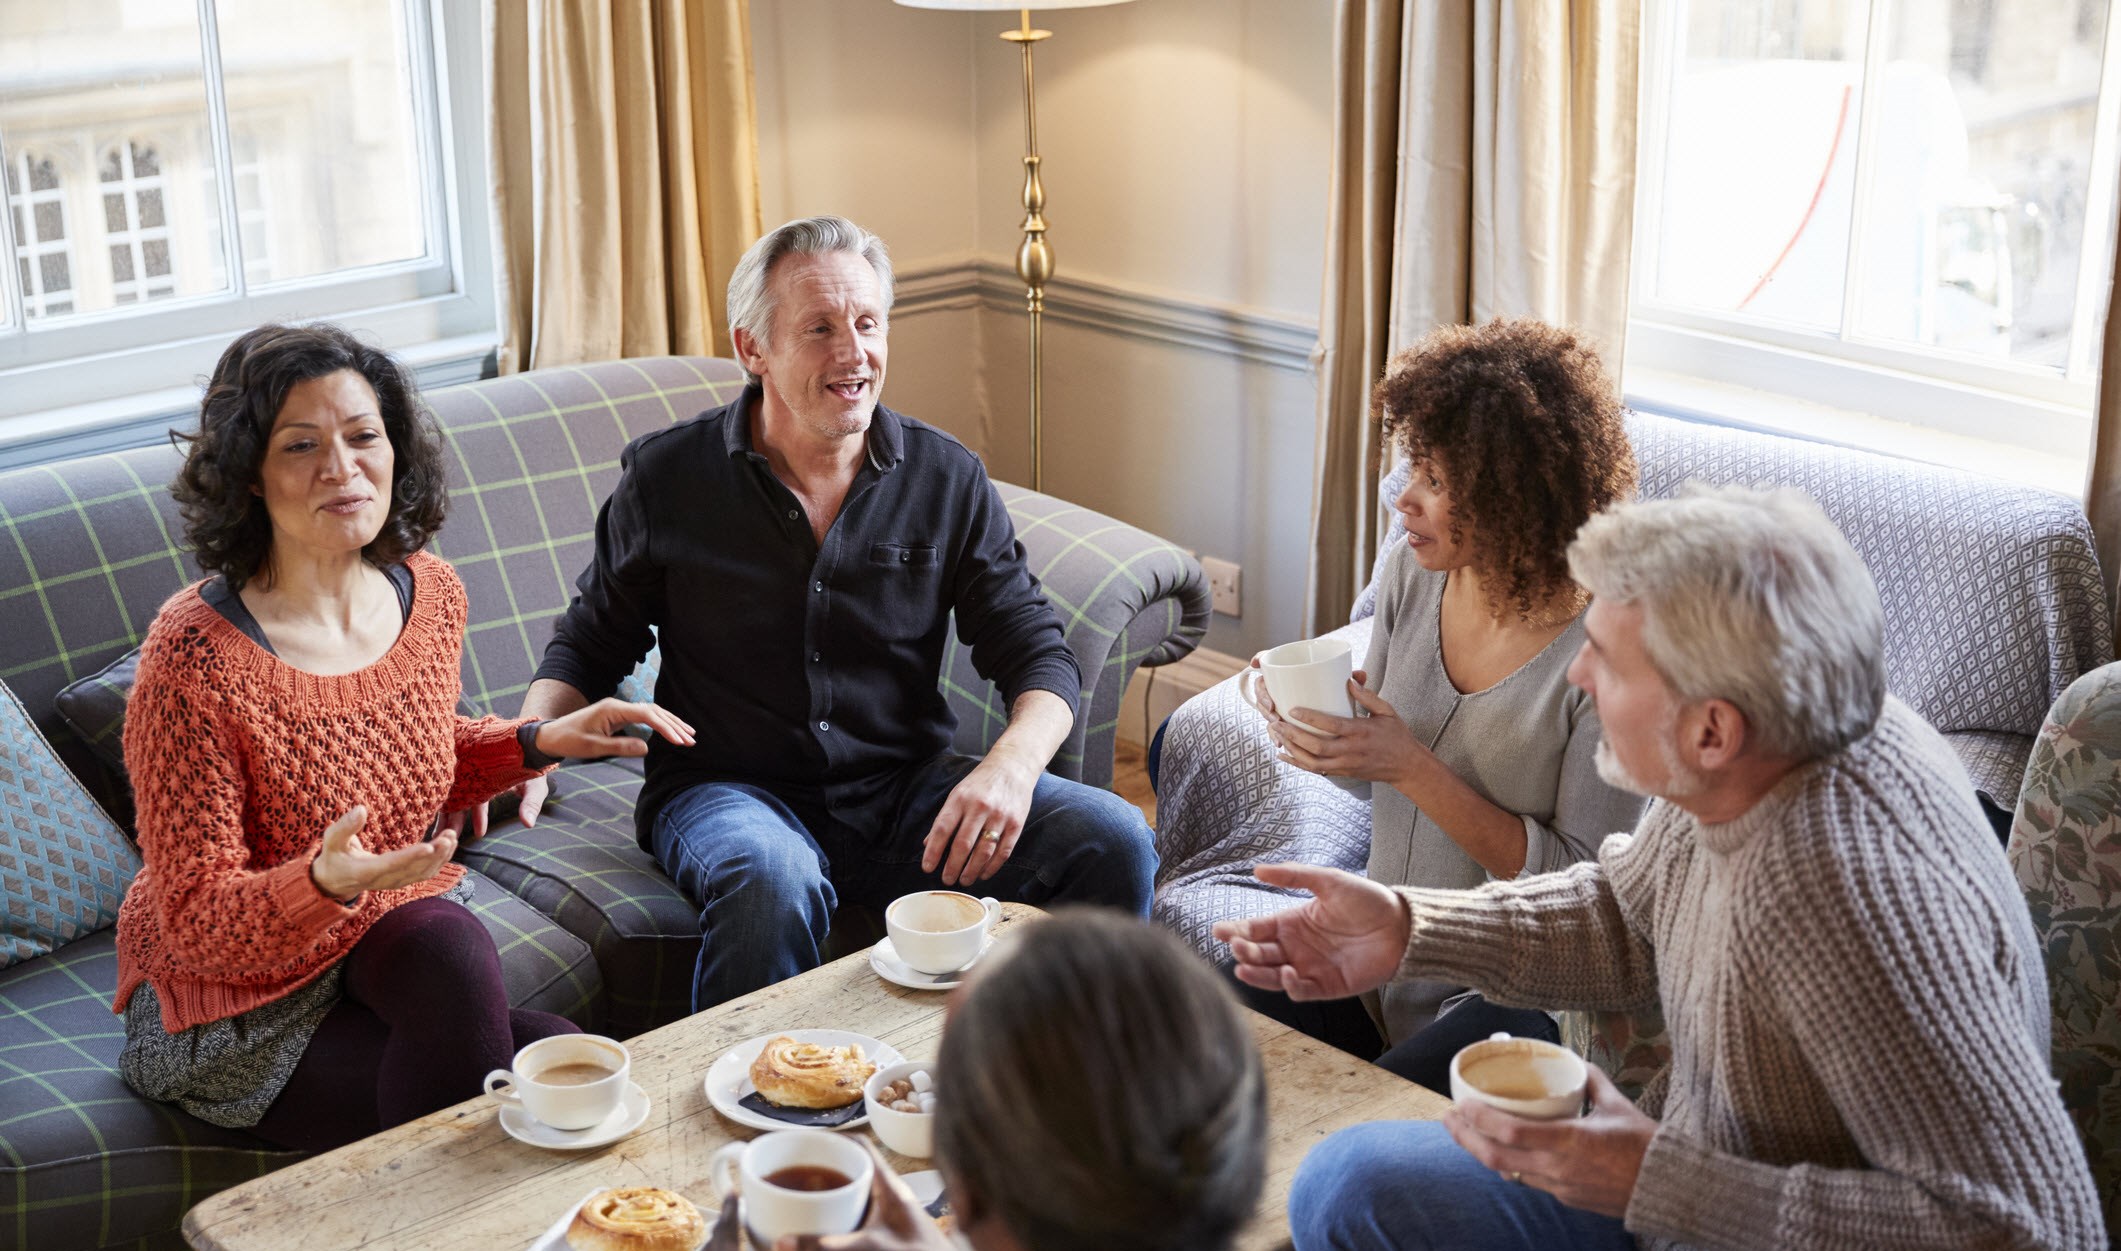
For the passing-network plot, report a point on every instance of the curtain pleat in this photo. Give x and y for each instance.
(625, 175)
(1484, 166)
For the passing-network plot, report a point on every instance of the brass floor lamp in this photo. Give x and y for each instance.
(1034, 257)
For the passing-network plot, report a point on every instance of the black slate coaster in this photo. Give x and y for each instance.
(827, 1117)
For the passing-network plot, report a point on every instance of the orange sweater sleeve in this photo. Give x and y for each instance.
(489, 760)
(221, 914)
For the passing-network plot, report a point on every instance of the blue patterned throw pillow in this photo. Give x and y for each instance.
(64, 865)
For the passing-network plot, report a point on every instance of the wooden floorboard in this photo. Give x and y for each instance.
(1130, 778)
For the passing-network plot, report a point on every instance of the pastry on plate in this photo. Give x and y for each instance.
(810, 1075)
(637, 1218)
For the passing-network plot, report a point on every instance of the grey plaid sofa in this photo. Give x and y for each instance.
(1993, 603)
(587, 927)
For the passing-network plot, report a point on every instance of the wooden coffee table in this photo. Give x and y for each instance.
(453, 1181)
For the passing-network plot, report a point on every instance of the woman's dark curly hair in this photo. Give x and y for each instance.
(1523, 425)
(225, 520)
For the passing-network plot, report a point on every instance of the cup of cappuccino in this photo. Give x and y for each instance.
(940, 931)
(1309, 673)
(568, 1081)
(1525, 1076)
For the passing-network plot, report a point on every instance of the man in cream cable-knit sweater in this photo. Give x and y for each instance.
(1855, 996)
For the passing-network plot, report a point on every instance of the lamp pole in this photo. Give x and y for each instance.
(1034, 257)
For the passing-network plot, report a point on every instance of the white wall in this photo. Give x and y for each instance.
(1185, 158)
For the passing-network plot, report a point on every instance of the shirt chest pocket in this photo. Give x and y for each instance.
(912, 557)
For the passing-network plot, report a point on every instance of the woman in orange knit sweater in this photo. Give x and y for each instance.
(296, 956)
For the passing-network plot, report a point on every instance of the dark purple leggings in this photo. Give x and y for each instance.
(425, 1018)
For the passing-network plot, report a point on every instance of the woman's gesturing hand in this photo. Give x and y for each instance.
(343, 867)
(593, 732)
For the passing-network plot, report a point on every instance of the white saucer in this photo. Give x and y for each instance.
(925, 1187)
(624, 1119)
(884, 958)
(729, 1078)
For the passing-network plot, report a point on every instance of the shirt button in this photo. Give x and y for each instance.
(905, 556)
(817, 586)
(816, 657)
(791, 514)
(824, 727)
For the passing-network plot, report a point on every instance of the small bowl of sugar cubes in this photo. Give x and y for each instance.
(900, 1100)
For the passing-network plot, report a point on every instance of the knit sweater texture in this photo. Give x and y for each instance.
(1856, 1002)
(239, 761)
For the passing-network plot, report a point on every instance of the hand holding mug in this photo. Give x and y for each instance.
(896, 1221)
(343, 867)
(1309, 673)
(1589, 1162)
(1374, 748)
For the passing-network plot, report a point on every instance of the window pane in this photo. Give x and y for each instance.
(1759, 158)
(1985, 147)
(321, 91)
(101, 106)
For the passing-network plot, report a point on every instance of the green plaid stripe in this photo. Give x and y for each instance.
(581, 866)
(1125, 599)
(85, 1163)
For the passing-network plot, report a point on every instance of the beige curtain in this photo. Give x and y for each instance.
(1483, 166)
(2102, 493)
(624, 145)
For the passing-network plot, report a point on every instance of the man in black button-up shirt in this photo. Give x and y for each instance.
(800, 551)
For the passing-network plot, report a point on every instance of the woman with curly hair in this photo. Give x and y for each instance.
(296, 957)
(1479, 752)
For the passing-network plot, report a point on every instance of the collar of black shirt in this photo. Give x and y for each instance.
(887, 445)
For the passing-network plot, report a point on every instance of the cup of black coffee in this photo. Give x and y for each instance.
(796, 1181)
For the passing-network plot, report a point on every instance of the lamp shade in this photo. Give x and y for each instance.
(985, 5)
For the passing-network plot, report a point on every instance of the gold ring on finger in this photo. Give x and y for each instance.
(991, 836)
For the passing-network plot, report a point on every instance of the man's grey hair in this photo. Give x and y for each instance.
(750, 306)
(1750, 596)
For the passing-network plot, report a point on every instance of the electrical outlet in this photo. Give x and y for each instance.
(1226, 580)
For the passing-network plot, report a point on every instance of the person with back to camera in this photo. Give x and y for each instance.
(1479, 752)
(296, 957)
(1098, 1090)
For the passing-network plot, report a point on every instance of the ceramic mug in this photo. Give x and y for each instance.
(547, 1079)
(1309, 673)
(775, 1210)
(940, 931)
(1525, 1076)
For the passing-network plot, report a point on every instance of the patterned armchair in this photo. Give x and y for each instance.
(1993, 606)
(2066, 848)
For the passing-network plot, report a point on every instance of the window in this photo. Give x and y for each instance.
(43, 260)
(1903, 208)
(181, 170)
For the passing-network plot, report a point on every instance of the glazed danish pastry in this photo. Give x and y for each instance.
(810, 1075)
(637, 1218)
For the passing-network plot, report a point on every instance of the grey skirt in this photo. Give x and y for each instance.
(228, 1072)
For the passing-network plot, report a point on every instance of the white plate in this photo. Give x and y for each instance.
(884, 958)
(729, 1078)
(555, 1237)
(925, 1186)
(624, 1119)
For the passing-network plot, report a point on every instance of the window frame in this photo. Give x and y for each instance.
(1671, 348)
(119, 377)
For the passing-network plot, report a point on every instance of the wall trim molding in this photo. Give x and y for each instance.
(1252, 334)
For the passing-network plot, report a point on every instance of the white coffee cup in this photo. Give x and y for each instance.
(1309, 673)
(940, 931)
(774, 1211)
(1525, 1076)
(540, 1081)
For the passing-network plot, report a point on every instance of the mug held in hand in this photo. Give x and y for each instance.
(1309, 673)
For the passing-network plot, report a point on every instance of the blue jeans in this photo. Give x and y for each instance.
(1404, 1185)
(769, 877)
